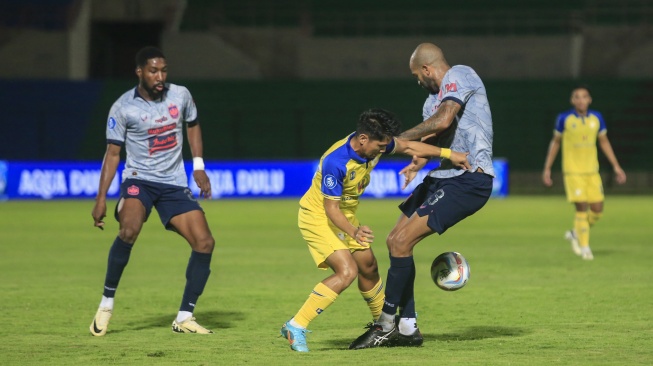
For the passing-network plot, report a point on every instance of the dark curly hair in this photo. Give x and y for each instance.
(378, 124)
(147, 53)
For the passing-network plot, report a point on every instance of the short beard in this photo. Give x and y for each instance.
(153, 93)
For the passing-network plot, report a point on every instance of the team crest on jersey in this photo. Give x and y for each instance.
(133, 190)
(174, 111)
(352, 175)
(330, 181)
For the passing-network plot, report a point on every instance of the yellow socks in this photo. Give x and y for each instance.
(594, 217)
(582, 227)
(374, 299)
(321, 298)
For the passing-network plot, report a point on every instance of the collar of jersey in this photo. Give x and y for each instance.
(352, 153)
(587, 114)
(138, 95)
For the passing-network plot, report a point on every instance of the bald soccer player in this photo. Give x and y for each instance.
(457, 115)
(327, 217)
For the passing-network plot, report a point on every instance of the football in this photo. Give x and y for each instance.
(450, 271)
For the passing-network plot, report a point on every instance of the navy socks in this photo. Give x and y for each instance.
(399, 286)
(197, 274)
(118, 259)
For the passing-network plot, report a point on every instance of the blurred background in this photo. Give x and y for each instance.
(285, 79)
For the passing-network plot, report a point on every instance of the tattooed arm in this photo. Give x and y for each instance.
(435, 124)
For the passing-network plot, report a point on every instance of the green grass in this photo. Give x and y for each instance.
(529, 299)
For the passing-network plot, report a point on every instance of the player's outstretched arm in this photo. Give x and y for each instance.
(606, 147)
(554, 147)
(109, 167)
(194, 133)
(362, 234)
(435, 124)
(422, 150)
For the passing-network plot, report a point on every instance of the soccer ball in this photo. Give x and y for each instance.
(450, 271)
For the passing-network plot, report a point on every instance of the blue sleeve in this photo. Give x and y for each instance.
(333, 175)
(560, 122)
(602, 125)
(390, 149)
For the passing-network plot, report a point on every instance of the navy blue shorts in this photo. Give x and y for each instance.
(448, 201)
(169, 200)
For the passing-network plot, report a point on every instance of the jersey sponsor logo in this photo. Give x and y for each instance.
(452, 87)
(352, 175)
(174, 111)
(330, 181)
(160, 130)
(111, 123)
(161, 143)
(133, 190)
(161, 120)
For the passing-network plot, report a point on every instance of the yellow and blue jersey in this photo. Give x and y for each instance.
(341, 175)
(579, 134)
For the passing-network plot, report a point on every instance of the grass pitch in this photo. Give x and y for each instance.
(530, 300)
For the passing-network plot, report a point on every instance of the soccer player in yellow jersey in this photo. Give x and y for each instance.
(579, 129)
(327, 216)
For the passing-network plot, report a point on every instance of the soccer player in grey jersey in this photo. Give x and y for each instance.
(456, 114)
(148, 121)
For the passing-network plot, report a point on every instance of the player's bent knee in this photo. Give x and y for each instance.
(205, 245)
(347, 275)
(369, 271)
(398, 247)
(128, 234)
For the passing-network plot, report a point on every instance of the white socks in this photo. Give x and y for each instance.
(183, 315)
(407, 326)
(107, 302)
(387, 321)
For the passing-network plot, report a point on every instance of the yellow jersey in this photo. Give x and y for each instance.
(579, 135)
(341, 175)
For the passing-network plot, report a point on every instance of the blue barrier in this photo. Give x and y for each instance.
(236, 179)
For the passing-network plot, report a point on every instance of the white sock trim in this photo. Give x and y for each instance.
(107, 302)
(183, 315)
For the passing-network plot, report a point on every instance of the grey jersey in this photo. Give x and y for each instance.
(152, 133)
(471, 131)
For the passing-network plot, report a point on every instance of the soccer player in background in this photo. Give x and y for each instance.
(327, 216)
(148, 121)
(579, 129)
(456, 114)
